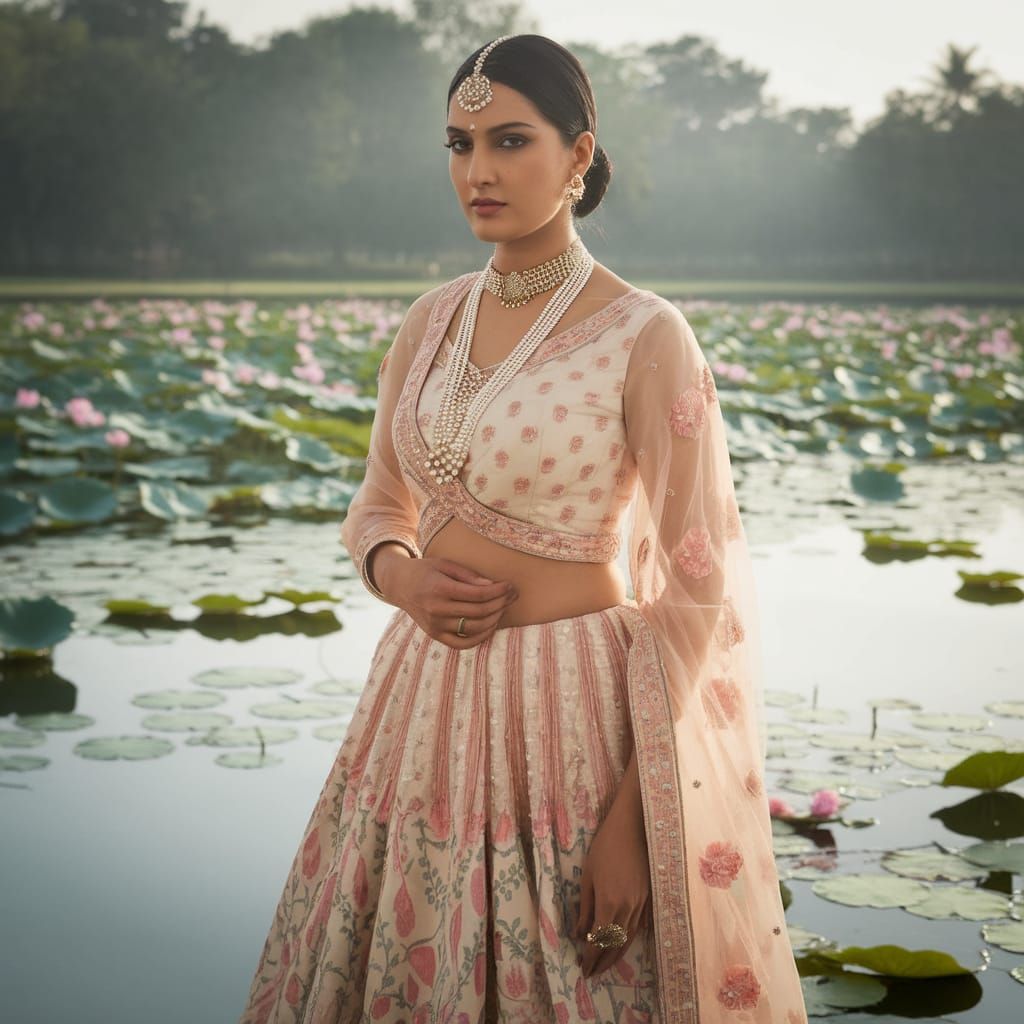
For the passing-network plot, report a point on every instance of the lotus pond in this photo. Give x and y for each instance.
(185, 638)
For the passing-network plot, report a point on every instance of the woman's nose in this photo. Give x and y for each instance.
(480, 169)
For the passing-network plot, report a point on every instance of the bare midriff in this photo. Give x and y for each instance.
(549, 588)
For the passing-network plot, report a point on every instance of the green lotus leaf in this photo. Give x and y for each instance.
(1008, 935)
(1007, 708)
(930, 865)
(877, 485)
(78, 499)
(181, 721)
(291, 710)
(22, 763)
(33, 624)
(986, 769)
(11, 738)
(123, 748)
(247, 759)
(311, 452)
(49, 467)
(226, 603)
(191, 467)
(172, 501)
(244, 736)
(868, 890)
(127, 607)
(234, 677)
(16, 514)
(898, 962)
(948, 902)
(824, 994)
(952, 721)
(55, 721)
(996, 856)
(167, 700)
(925, 759)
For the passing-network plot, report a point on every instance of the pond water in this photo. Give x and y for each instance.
(142, 869)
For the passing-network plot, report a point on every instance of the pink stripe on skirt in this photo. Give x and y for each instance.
(438, 879)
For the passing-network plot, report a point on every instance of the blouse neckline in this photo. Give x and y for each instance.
(603, 311)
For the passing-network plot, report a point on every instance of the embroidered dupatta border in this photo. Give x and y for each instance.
(662, 798)
(447, 500)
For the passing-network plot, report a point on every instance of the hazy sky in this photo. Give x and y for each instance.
(815, 52)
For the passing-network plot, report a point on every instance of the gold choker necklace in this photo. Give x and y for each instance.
(519, 286)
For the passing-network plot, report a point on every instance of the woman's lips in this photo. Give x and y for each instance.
(486, 209)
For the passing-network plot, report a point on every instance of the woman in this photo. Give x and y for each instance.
(549, 805)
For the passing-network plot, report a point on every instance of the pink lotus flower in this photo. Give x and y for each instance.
(216, 342)
(304, 352)
(938, 364)
(778, 808)
(118, 438)
(83, 414)
(889, 349)
(245, 373)
(313, 372)
(56, 330)
(825, 803)
(963, 370)
(26, 399)
(33, 320)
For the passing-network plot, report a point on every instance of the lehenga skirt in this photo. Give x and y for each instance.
(438, 877)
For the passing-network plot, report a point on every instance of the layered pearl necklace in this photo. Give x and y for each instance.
(464, 399)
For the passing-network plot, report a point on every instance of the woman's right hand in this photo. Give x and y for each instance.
(436, 592)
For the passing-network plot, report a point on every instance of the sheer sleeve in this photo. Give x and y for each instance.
(383, 508)
(690, 571)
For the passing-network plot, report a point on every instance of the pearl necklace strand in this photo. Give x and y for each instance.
(464, 399)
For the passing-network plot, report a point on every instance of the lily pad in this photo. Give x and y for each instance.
(247, 759)
(996, 856)
(951, 721)
(167, 700)
(291, 710)
(195, 721)
(1008, 935)
(958, 902)
(867, 890)
(22, 763)
(898, 962)
(237, 676)
(55, 721)
(826, 993)
(123, 748)
(244, 736)
(33, 624)
(930, 865)
(78, 499)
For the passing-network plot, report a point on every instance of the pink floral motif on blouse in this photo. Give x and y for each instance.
(603, 362)
(514, 407)
(547, 464)
(522, 484)
(567, 514)
(544, 387)
(488, 433)
(687, 416)
(501, 458)
(576, 375)
(480, 481)
(528, 434)
(587, 471)
(595, 495)
(720, 864)
(559, 413)
(601, 423)
(557, 489)
(721, 699)
(591, 398)
(576, 444)
(739, 989)
(693, 555)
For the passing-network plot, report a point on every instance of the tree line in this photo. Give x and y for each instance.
(137, 142)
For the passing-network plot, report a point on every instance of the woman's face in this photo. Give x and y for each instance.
(509, 152)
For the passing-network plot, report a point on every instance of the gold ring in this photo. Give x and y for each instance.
(608, 936)
(462, 623)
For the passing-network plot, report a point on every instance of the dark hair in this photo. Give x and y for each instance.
(554, 81)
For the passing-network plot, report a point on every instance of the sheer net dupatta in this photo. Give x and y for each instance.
(696, 699)
(384, 508)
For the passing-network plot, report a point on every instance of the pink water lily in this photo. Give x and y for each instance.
(825, 803)
(83, 414)
(778, 808)
(26, 398)
(118, 438)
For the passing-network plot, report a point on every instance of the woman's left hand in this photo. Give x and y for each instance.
(615, 887)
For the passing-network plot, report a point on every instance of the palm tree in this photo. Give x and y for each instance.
(954, 87)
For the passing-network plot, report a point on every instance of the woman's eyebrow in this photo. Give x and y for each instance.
(452, 130)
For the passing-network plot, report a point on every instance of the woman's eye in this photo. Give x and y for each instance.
(455, 147)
